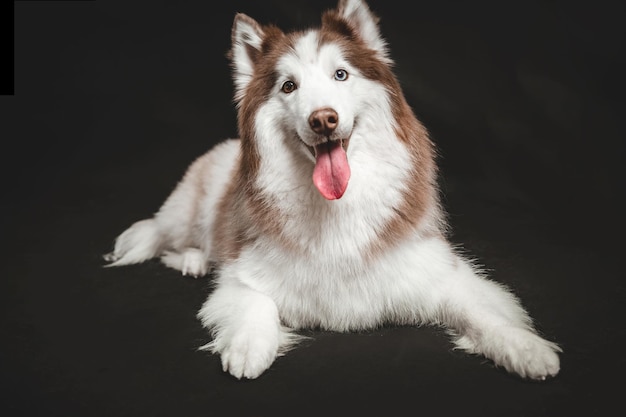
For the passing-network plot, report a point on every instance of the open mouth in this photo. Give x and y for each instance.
(332, 171)
(314, 149)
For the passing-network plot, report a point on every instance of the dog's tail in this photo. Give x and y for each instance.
(140, 242)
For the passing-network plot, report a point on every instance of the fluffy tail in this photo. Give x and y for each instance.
(140, 242)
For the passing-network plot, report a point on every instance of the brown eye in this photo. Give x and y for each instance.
(288, 87)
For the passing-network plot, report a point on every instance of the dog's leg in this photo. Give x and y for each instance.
(246, 329)
(170, 229)
(188, 215)
(487, 319)
(173, 228)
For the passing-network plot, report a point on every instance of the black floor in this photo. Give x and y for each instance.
(112, 102)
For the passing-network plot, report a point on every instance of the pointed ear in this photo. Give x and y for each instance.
(360, 17)
(247, 38)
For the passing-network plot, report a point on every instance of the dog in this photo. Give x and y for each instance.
(326, 213)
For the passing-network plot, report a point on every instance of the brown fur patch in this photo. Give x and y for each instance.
(243, 201)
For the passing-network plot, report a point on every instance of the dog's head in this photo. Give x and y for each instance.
(317, 85)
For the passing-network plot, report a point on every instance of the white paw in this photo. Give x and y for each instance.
(194, 263)
(191, 261)
(526, 354)
(138, 243)
(111, 257)
(249, 354)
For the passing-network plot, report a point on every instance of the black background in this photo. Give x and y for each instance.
(113, 100)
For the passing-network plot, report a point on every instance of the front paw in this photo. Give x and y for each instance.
(527, 354)
(249, 354)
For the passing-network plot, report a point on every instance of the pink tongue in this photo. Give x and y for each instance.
(332, 172)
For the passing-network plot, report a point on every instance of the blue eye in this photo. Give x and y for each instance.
(341, 75)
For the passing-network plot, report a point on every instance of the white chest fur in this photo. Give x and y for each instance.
(339, 229)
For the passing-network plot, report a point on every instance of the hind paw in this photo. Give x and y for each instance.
(110, 257)
(138, 243)
(191, 261)
(194, 263)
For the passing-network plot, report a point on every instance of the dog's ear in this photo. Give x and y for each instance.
(247, 39)
(361, 18)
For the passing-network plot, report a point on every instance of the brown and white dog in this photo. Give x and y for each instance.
(325, 214)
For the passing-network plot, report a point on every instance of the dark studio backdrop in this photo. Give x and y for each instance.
(112, 101)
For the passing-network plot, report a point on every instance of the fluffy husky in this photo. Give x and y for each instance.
(325, 214)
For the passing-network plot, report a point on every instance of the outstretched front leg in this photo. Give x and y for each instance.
(246, 329)
(487, 319)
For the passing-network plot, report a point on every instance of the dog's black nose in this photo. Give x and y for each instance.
(324, 121)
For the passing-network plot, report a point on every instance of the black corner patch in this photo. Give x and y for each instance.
(7, 48)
